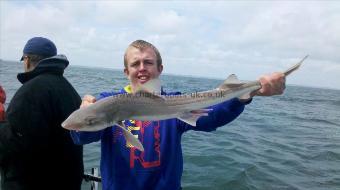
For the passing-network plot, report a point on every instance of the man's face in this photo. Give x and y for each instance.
(141, 66)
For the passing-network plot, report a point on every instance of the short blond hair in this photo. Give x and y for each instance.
(142, 45)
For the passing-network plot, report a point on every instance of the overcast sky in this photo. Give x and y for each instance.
(198, 38)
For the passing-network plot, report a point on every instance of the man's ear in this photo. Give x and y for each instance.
(27, 65)
(126, 72)
(160, 68)
(30, 65)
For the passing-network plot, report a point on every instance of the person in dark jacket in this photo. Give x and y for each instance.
(35, 151)
(2, 103)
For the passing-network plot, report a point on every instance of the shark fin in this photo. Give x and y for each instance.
(151, 89)
(231, 81)
(130, 138)
(152, 86)
(192, 116)
(295, 67)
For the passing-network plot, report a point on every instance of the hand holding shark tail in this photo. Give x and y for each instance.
(273, 84)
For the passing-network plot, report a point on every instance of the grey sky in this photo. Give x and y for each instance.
(200, 38)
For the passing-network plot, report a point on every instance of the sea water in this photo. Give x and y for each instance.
(288, 142)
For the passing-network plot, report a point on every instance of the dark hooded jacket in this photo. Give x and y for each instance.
(35, 151)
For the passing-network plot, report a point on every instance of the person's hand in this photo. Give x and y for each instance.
(272, 84)
(87, 100)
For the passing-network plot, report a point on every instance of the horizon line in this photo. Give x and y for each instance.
(183, 75)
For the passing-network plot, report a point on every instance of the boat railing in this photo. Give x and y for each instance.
(93, 178)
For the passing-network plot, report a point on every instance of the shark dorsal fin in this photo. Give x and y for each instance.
(150, 89)
(152, 86)
(231, 81)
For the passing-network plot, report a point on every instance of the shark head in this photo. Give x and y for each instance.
(86, 119)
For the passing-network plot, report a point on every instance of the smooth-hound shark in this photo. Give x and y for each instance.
(145, 105)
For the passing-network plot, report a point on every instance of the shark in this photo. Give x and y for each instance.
(147, 105)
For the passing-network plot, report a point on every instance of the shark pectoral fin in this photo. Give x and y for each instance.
(192, 116)
(130, 138)
(230, 82)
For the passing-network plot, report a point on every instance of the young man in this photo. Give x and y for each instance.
(35, 151)
(160, 166)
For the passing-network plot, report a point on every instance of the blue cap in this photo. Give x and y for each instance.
(40, 46)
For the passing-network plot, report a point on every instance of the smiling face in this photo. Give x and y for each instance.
(141, 66)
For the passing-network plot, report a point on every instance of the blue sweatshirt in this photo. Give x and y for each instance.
(160, 166)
